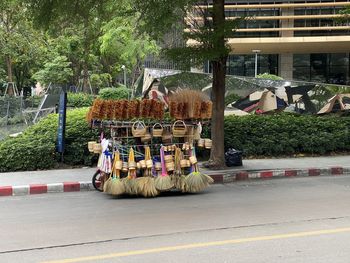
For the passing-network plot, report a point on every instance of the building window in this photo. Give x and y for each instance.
(326, 68)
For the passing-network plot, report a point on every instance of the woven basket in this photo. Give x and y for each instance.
(125, 167)
(146, 138)
(207, 143)
(179, 129)
(91, 146)
(149, 164)
(138, 129)
(183, 163)
(193, 159)
(167, 137)
(143, 163)
(201, 143)
(132, 165)
(168, 158)
(158, 166)
(157, 130)
(118, 165)
(170, 166)
(97, 148)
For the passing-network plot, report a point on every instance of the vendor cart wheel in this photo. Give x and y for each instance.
(97, 180)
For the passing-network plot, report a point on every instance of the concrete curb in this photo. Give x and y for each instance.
(45, 188)
(223, 177)
(230, 177)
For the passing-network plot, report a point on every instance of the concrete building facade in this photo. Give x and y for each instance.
(300, 40)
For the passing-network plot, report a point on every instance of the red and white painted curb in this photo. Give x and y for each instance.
(45, 188)
(230, 177)
(220, 178)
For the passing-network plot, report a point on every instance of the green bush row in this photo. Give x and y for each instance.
(35, 148)
(255, 135)
(285, 134)
(79, 100)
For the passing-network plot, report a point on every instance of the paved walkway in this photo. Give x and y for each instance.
(31, 182)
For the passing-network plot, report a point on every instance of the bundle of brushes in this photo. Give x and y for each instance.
(163, 181)
(196, 181)
(190, 104)
(146, 184)
(130, 181)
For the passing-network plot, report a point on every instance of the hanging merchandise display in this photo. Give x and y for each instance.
(146, 183)
(146, 154)
(116, 187)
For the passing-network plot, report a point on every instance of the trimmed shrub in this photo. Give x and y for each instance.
(35, 148)
(285, 134)
(113, 93)
(79, 100)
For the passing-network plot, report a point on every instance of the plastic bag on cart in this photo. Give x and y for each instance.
(233, 157)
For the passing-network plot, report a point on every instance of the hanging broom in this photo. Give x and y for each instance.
(130, 181)
(116, 186)
(146, 184)
(163, 181)
(196, 181)
(107, 169)
(178, 176)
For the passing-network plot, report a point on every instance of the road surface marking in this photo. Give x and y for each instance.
(200, 245)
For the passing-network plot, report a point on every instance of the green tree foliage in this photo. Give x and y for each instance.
(22, 48)
(96, 36)
(122, 44)
(206, 33)
(57, 71)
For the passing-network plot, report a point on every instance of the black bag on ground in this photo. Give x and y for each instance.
(233, 157)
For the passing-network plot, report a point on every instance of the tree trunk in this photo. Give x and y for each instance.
(86, 86)
(217, 155)
(10, 90)
(9, 69)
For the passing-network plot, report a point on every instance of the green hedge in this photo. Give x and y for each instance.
(35, 148)
(79, 100)
(284, 134)
(113, 93)
(256, 135)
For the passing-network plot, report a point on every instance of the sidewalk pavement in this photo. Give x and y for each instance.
(67, 180)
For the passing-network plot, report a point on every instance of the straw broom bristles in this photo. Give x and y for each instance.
(107, 184)
(130, 181)
(189, 101)
(163, 181)
(178, 177)
(146, 184)
(117, 186)
(196, 181)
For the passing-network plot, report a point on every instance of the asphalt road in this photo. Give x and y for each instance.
(281, 220)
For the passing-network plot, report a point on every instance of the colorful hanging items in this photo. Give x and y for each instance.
(116, 187)
(163, 181)
(146, 184)
(129, 181)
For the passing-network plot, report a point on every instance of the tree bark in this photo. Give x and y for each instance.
(86, 86)
(9, 68)
(217, 154)
(10, 90)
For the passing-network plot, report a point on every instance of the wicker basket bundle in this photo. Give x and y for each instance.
(179, 128)
(138, 129)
